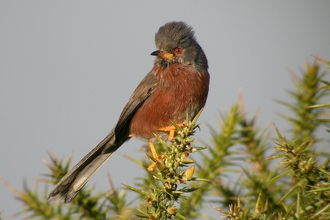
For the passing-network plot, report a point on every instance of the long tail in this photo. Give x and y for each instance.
(78, 176)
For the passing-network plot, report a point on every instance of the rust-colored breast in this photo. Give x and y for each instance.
(181, 90)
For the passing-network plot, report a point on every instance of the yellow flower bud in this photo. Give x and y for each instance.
(190, 172)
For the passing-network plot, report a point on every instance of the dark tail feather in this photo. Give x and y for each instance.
(70, 185)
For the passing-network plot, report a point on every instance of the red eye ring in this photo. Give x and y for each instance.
(178, 50)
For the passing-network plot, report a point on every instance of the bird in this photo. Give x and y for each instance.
(176, 86)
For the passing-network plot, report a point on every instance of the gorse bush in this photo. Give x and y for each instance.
(274, 176)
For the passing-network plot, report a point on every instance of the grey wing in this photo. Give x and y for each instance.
(142, 92)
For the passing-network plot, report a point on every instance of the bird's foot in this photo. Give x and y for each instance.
(171, 129)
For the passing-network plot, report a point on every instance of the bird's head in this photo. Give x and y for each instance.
(176, 43)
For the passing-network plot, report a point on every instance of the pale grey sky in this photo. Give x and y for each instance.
(68, 68)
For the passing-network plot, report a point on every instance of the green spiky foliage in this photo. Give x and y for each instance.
(297, 186)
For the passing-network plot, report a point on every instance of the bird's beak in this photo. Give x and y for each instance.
(162, 54)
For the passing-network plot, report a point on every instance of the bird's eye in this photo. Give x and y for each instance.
(178, 50)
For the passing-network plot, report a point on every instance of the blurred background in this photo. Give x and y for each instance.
(68, 68)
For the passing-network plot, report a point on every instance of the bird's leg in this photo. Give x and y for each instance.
(153, 150)
(171, 129)
(159, 159)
